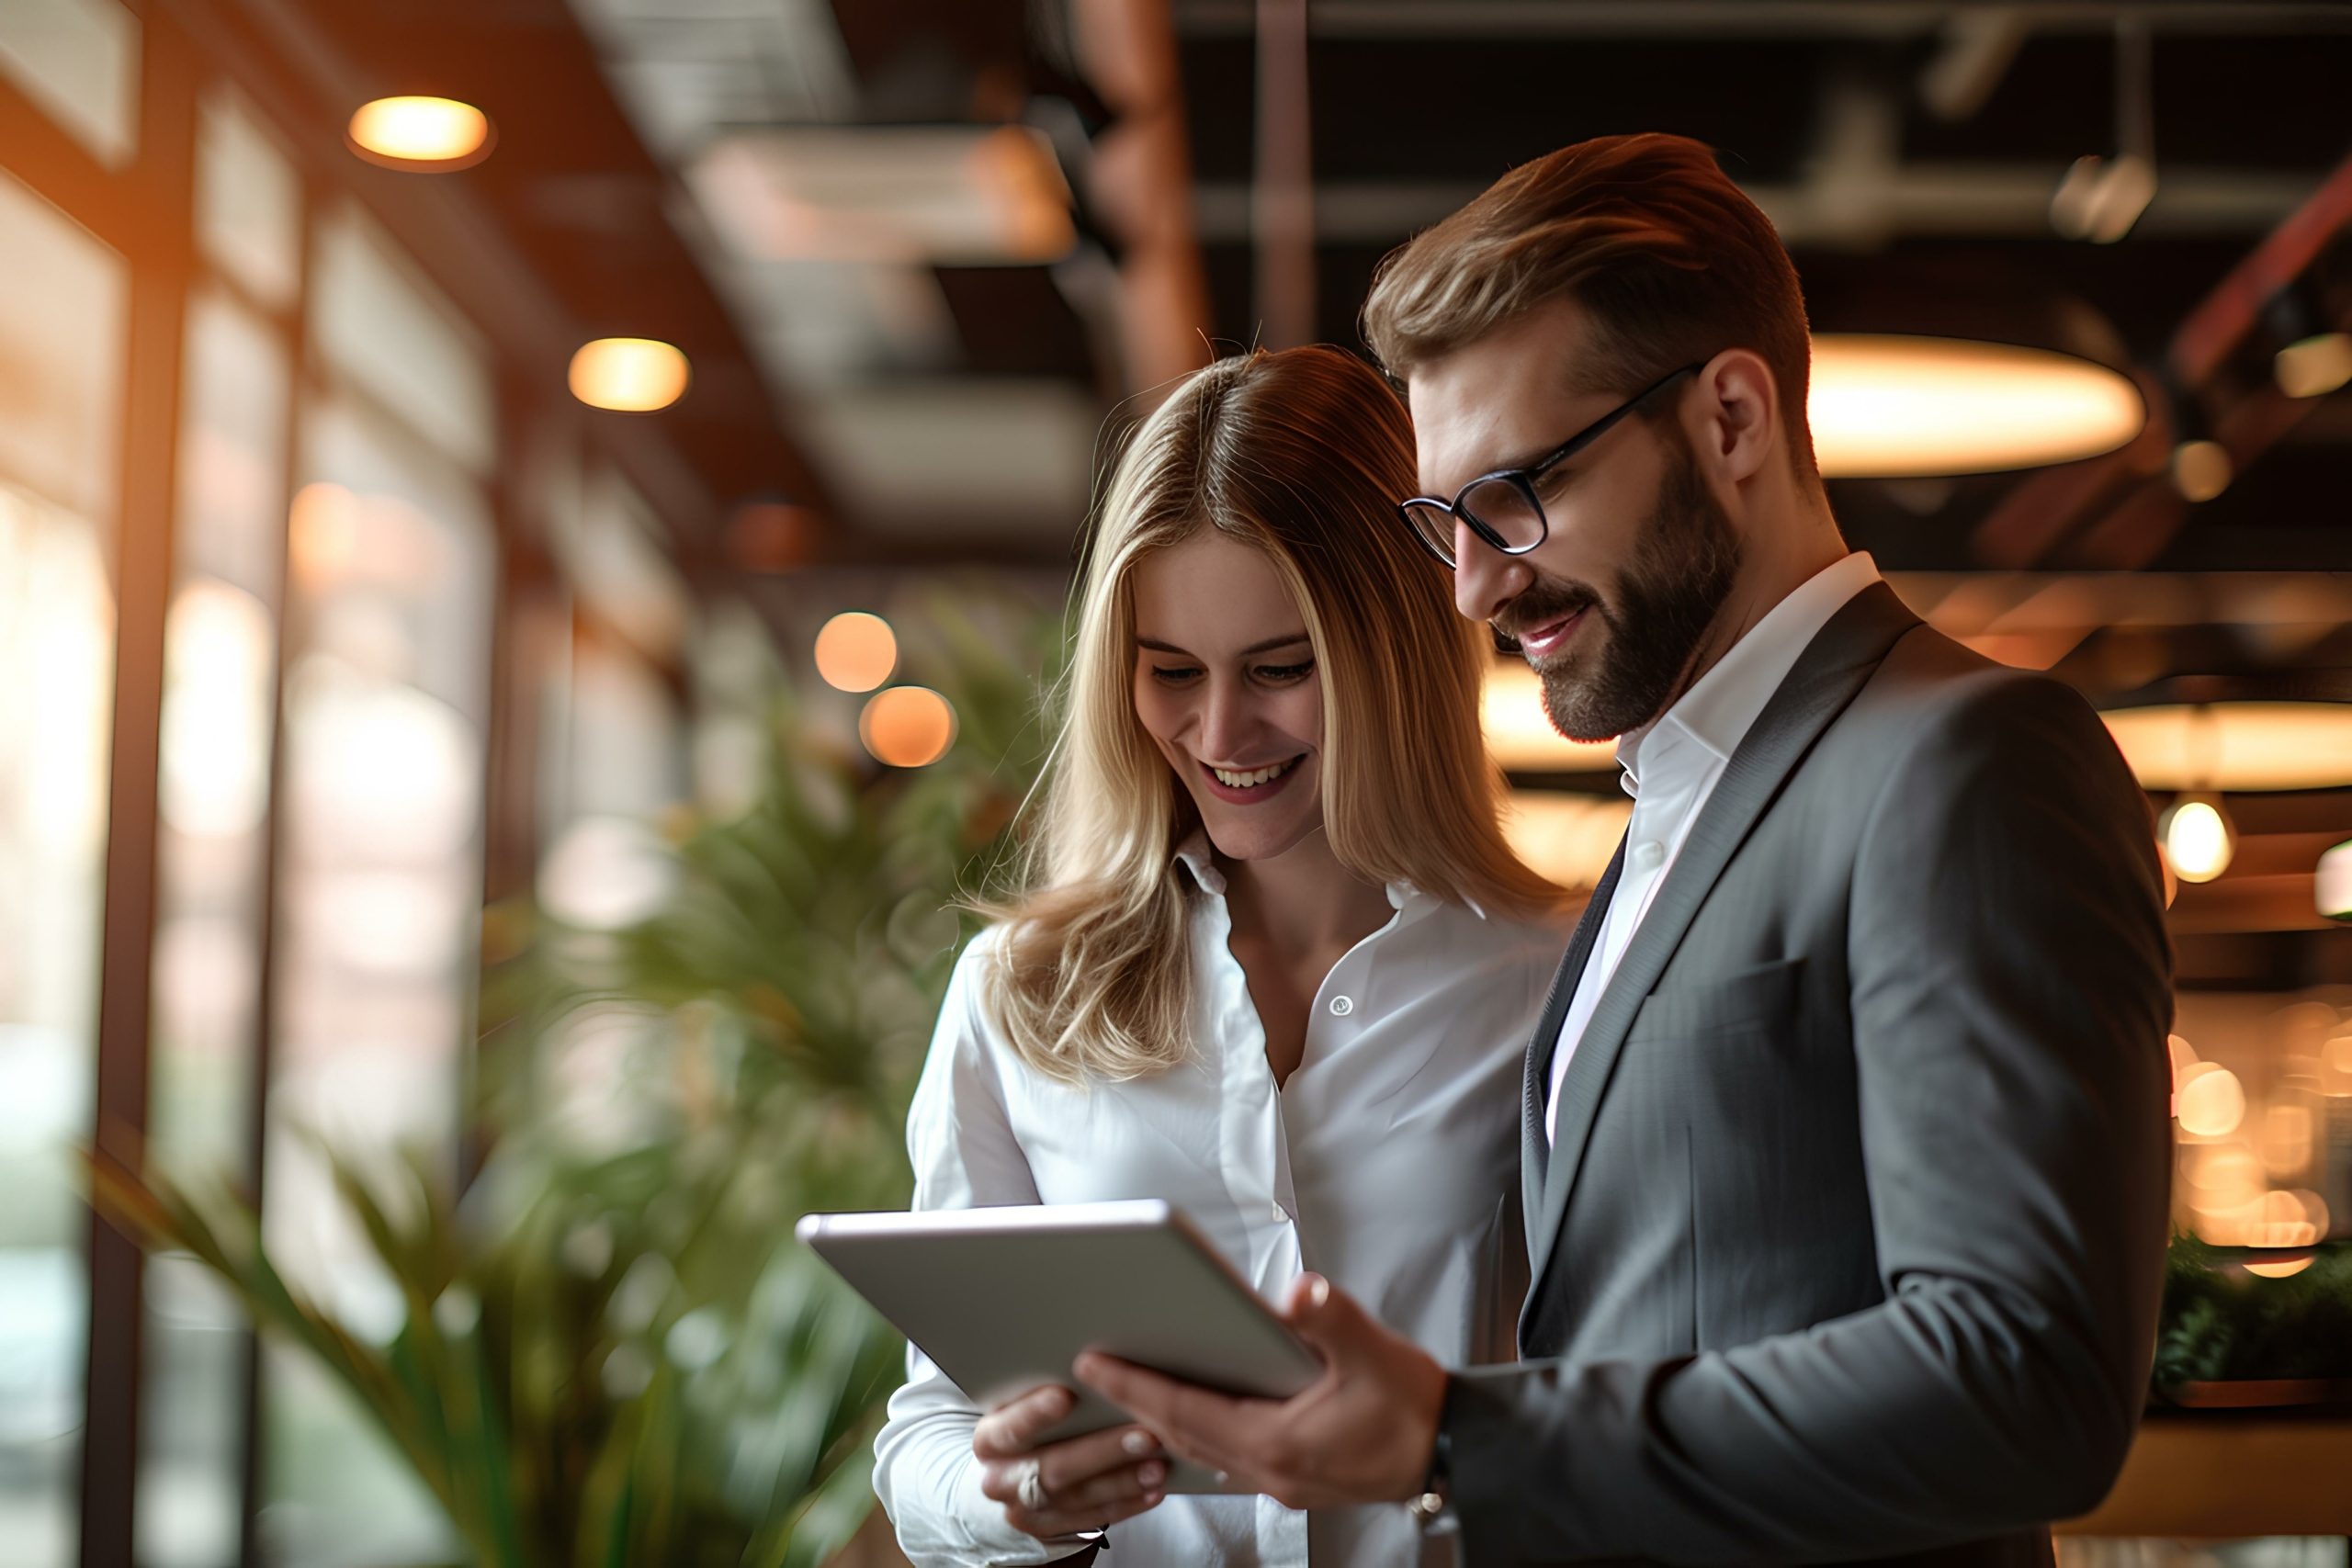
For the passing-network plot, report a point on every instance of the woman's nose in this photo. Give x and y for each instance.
(1225, 722)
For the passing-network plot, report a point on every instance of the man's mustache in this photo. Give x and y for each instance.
(1538, 606)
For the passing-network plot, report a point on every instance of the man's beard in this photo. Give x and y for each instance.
(1685, 558)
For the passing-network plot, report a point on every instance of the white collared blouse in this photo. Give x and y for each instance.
(1384, 1163)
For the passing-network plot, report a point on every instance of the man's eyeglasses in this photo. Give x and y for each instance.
(1502, 508)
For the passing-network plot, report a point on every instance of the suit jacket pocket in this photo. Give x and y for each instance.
(1756, 998)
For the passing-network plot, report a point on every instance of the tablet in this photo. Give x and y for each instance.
(1004, 1299)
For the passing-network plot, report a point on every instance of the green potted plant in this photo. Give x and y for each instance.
(611, 1350)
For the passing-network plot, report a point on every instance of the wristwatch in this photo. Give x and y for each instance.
(1432, 1508)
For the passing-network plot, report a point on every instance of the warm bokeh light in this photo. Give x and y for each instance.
(2198, 840)
(2236, 747)
(2315, 366)
(1014, 169)
(2211, 1101)
(607, 872)
(1520, 733)
(2332, 883)
(907, 727)
(219, 670)
(630, 374)
(2226, 1175)
(2201, 469)
(2286, 1140)
(857, 651)
(2183, 1055)
(2335, 1065)
(2278, 1270)
(1889, 406)
(421, 132)
(322, 535)
(2284, 1219)
(1565, 838)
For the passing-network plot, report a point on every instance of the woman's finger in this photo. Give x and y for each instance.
(1068, 1464)
(1121, 1485)
(1058, 1522)
(1013, 1427)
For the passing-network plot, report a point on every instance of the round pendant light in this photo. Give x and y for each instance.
(423, 134)
(631, 374)
(1887, 406)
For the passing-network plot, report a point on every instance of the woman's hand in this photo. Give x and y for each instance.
(1064, 1488)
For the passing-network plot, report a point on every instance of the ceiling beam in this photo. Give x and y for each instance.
(1454, 19)
(1960, 200)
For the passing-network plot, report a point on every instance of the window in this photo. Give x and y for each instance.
(61, 354)
(220, 681)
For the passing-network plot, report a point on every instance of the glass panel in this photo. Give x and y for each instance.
(220, 662)
(78, 59)
(248, 203)
(61, 356)
(386, 705)
(607, 547)
(60, 345)
(399, 340)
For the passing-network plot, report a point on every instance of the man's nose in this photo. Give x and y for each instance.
(1484, 579)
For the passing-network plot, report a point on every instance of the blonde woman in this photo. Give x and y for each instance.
(1272, 961)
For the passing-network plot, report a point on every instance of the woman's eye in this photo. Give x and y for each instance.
(1284, 673)
(1172, 674)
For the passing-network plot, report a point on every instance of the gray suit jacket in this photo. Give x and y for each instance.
(1851, 1241)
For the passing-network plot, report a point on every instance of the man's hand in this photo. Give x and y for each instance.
(1083, 1483)
(1363, 1433)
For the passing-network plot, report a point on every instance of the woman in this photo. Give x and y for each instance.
(1273, 962)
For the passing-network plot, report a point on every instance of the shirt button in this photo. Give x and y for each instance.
(1342, 1006)
(1649, 854)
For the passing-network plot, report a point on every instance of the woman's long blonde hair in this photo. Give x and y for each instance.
(1301, 454)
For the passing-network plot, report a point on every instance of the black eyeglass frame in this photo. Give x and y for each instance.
(1525, 479)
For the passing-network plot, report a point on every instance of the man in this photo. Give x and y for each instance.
(1846, 1149)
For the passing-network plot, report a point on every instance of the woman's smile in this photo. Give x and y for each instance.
(1245, 788)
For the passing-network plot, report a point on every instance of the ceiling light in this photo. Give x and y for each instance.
(1889, 406)
(907, 727)
(855, 651)
(431, 135)
(2314, 367)
(2236, 747)
(632, 375)
(2197, 838)
(2331, 891)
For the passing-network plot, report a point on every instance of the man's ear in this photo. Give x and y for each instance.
(1739, 415)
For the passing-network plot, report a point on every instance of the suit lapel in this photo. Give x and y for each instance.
(1832, 668)
(1535, 1149)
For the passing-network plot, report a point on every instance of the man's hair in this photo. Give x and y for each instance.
(1669, 260)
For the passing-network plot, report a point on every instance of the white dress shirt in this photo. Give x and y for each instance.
(1381, 1164)
(1671, 766)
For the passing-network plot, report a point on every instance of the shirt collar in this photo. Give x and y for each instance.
(1722, 706)
(1196, 856)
